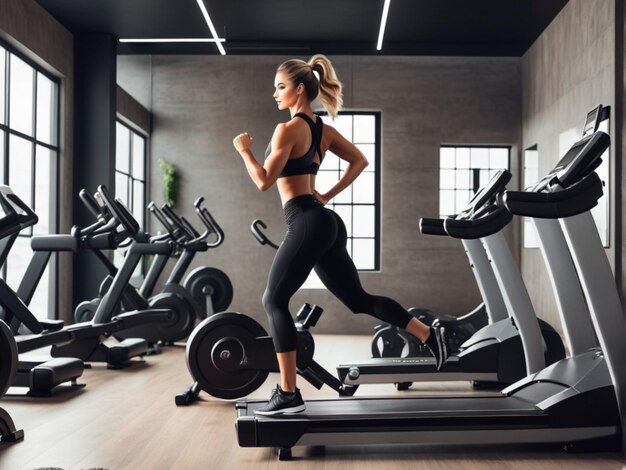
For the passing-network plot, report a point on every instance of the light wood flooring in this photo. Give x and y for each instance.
(127, 419)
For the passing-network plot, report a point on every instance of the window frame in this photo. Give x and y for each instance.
(377, 114)
(475, 185)
(132, 130)
(8, 131)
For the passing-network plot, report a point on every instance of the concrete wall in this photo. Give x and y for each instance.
(567, 71)
(27, 27)
(200, 103)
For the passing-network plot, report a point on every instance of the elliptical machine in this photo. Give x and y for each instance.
(183, 320)
(8, 368)
(210, 282)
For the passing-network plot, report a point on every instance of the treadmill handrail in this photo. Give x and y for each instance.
(469, 229)
(573, 200)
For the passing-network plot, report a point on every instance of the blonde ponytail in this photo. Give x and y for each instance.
(329, 86)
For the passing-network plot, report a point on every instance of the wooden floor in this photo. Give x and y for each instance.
(127, 419)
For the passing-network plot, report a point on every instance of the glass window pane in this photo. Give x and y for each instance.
(369, 150)
(325, 180)
(446, 157)
(18, 261)
(122, 148)
(2, 156)
(121, 187)
(20, 168)
(344, 197)
(363, 253)
(331, 161)
(345, 212)
(447, 179)
(463, 157)
(139, 157)
(46, 110)
(2, 83)
(484, 176)
(446, 202)
(21, 96)
(463, 179)
(139, 202)
(499, 158)
(461, 200)
(531, 177)
(480, 157)
(364, 129)
(531, 159)
(44, 197)
(343, 124)
(364, 223)
(40, 302)
(364, 189)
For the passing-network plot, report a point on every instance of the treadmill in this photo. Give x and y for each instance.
(495, 353)
(578, 401)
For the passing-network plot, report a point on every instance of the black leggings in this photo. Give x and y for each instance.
(316, 238)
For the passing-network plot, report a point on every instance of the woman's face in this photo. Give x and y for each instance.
(285, 93)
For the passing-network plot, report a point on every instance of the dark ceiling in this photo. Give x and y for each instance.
(414, 27)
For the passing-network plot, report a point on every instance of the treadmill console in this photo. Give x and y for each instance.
(581, 159)
(496, 185)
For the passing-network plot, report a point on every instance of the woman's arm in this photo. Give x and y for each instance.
(264, 176)
(347, 151)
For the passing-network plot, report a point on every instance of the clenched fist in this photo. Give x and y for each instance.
(243, 142)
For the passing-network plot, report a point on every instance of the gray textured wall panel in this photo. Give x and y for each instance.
(567, 71)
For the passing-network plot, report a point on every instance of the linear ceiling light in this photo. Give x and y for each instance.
(383, 23)
(207, 18)
(174, 40)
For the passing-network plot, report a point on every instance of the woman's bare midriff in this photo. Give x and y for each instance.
(294, 186)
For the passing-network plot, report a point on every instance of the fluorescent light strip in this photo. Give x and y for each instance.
(207, 18)
(166, 40)
(383, 23)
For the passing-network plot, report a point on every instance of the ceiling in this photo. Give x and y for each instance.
(414, 27)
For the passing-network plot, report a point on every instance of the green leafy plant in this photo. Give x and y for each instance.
(170, 182)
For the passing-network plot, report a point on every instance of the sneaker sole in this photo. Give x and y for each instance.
(294, 409)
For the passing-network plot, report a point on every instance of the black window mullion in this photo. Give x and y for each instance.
(33, 161)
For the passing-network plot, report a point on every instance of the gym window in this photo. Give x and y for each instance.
(29, 155)
(463, 170)
(359, 204)
(130, 175)
(130, 170)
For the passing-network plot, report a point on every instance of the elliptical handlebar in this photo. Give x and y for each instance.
(9, 201)
(211, 225)
(119, 212)
(259, 235)
(158, 213)
(90, 202)
(190, 228)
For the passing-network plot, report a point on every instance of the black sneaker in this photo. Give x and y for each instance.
(281, 402)
(436, 342)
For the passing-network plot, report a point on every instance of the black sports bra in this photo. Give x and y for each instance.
(304, 165)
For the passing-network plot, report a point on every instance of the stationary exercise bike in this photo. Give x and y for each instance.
(207, 289)
(230, 355)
